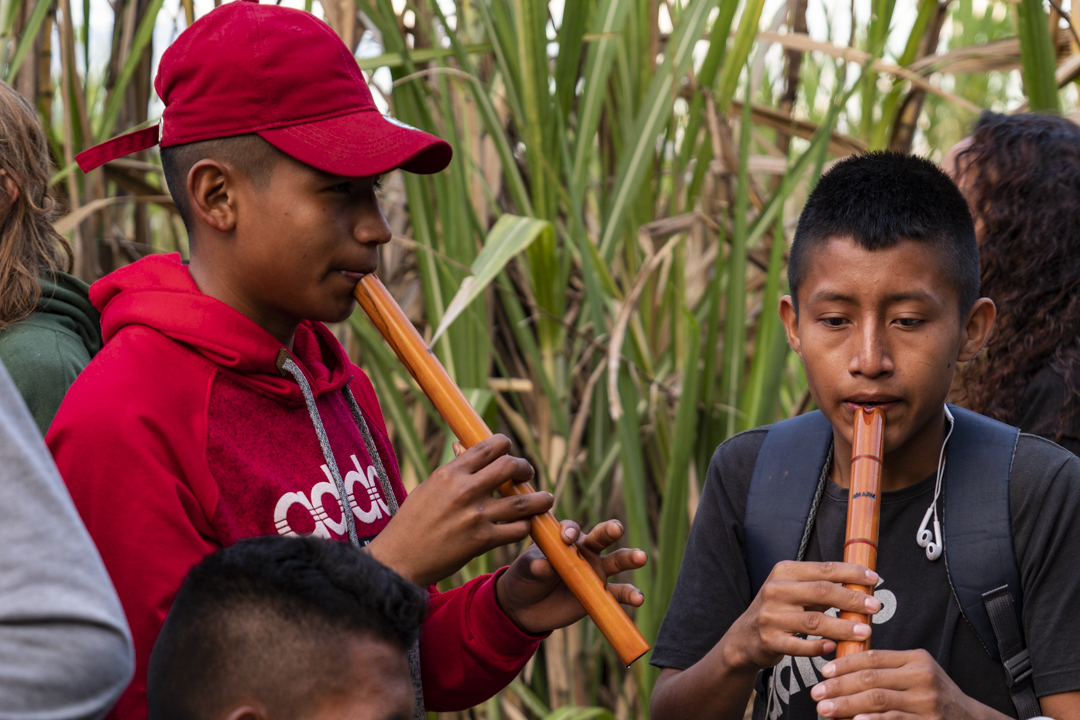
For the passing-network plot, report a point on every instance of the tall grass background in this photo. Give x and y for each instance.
(600, 266)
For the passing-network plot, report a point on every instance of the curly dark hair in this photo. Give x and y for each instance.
(1021, 177)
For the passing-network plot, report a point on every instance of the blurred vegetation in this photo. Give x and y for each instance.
(659, 152)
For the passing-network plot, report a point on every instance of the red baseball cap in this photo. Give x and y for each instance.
(286, 76)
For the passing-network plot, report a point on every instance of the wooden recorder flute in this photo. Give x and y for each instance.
(470, 429)
(864, 508)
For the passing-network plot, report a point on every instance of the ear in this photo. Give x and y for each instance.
(211, 190)
(11, 190)
(977, 327)
(248, 712)
(791, 323)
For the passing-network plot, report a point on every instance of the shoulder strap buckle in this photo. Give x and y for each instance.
(1017, 669)
(1012, 650)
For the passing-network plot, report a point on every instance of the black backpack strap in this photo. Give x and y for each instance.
(1010, 643)
(782, 492)
(979, 551)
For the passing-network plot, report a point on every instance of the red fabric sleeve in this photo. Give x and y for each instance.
(469, 648)
(138, 487)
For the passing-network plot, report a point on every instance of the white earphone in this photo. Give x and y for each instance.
(932, 542)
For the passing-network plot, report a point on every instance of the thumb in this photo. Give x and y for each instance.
(541, 569)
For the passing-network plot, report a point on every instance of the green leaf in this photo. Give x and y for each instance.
(637, 159)
(496, 132)
(511, 235)
(607, 22)
(880, 137)
(535, 98)
(1037, 56)
(420, 55)
(739, 52)
(29, 34)
(534, 704)
(499, 28)
(735, 309)
(671, 538)
(139, 44)
(571, 37)
(634, 484)
(762, 394)
(721, 28)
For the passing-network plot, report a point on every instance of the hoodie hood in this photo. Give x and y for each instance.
(158, 292)
(65, 300)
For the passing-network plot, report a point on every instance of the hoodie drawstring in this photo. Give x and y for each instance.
(313, 411)
(373, 452)
(286, 363)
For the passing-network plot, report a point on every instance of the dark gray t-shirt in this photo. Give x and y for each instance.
(918, 607)
(1040, 406)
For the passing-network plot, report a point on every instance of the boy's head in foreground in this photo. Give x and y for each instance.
(884, 277)
(275, 628)
(274, 168)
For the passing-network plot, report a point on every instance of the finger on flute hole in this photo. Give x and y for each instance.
(570, 531)
(627, 594)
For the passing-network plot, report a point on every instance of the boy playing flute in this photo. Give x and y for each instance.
(884, 276)
(221, 408)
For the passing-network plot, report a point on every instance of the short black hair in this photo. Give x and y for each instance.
(879, 198)
(249, 154)
(268, 618)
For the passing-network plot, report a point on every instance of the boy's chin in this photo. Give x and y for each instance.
(337, 314)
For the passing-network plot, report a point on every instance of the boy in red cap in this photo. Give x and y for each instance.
(221, 408)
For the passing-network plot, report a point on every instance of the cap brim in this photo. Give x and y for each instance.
(361, 144)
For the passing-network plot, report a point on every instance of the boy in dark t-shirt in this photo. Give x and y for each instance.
(884, 302)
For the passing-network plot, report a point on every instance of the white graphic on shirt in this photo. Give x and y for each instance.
(326, 526)
(792, 675)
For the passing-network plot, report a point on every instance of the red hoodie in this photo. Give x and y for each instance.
(182, 436)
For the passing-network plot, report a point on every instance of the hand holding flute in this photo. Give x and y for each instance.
(793, 600)
(452, 517)
(567, 557)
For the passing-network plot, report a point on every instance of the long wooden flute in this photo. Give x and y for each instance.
(864, 508)
(470, 429)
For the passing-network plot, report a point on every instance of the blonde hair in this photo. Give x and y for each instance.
(29, 246)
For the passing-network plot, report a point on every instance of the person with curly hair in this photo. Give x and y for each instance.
(49, 330)
(1021, 177)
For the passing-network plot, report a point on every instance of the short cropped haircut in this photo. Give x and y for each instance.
(880, 198)
(269, 618)
(249, 154)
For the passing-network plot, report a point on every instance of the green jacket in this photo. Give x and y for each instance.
(45, 352)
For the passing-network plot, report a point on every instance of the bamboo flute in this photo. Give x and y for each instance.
(470, 429)
(864, 508)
